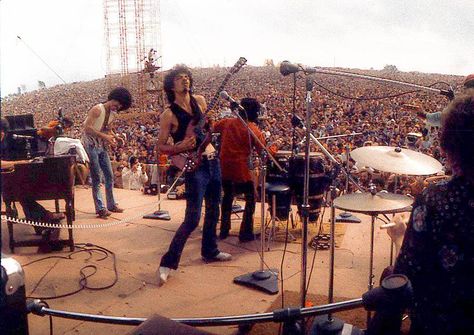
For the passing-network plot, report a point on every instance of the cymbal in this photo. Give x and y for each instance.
(283, 153)
(381, 202)
(311, 154)
(396, 160)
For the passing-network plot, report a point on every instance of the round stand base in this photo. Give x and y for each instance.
(323, 326)
(346, 217)
(261, 275)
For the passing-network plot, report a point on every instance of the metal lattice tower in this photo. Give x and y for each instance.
(131, 29)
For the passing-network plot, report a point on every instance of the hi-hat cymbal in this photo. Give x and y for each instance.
(396, 160)
(382, 202)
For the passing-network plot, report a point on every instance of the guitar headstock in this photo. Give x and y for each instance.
(238, 65)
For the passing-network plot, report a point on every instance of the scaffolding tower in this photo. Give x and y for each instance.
(132, 30)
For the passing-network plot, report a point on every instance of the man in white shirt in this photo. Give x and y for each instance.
(134, 176)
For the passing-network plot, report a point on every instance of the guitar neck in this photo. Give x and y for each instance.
(214, 99)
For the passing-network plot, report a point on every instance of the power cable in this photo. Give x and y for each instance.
(84, 276)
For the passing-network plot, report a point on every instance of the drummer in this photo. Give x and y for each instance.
(437, 254)
(237, 177)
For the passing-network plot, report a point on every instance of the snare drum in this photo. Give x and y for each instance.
(318, 182)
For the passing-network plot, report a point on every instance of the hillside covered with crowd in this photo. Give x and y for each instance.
(341, 105)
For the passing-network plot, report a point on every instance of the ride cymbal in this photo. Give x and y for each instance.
(396, 160)
(381, 202)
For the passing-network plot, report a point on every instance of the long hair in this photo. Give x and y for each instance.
(252, 109)
(457, 131)
(168, 83)
(122, 95)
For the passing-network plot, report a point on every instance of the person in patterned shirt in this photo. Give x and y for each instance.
(437, 254)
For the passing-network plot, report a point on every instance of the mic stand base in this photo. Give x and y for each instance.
(158, 215)
(346, 217)
(322, 325)
(266, 281)
(237, 209)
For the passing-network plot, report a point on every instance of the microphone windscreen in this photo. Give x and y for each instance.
(287, 68)
(224, 95)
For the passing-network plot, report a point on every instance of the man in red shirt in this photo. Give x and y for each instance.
(235, 154)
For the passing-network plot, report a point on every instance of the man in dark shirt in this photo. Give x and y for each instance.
(202, 183)
(437, 254)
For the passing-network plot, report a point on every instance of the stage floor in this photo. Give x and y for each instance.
(196, 289)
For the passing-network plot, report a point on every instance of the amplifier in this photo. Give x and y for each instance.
(17, 149)
(20, 121)
(151, 190)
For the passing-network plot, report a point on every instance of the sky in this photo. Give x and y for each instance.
(64, 39)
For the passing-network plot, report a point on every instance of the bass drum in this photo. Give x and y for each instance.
(318, 182)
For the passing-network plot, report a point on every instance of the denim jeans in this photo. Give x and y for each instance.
(99, 160)
(204, 183)
(231, 189)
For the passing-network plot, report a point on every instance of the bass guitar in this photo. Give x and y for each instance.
(188, 161)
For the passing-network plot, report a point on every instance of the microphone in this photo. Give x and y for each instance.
(233, 103)
(22, 137)
(448, 93)
(287, 68)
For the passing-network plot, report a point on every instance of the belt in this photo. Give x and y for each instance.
(210, 156)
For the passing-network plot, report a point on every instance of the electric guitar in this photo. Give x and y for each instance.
(190, 160)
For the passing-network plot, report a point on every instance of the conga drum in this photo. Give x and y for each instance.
(318, 182)
(274, 175)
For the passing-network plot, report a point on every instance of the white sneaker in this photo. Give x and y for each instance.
(220, 257)
(163, 273)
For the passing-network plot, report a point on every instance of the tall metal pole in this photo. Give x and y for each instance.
(305, 206)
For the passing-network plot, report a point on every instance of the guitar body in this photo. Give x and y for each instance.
(190, 160)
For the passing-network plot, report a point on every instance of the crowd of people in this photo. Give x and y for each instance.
(390, 121)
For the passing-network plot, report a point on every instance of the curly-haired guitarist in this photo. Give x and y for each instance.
(204, 182)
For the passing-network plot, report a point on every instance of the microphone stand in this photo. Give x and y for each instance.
(160, 214)
(265, 280)
(28, 148)
(305, 206)
(294, 119)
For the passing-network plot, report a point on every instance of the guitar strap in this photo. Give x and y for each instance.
(106, 120)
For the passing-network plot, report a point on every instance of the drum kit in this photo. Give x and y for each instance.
(386, 159)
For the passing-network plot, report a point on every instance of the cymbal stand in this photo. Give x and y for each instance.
(346, 216)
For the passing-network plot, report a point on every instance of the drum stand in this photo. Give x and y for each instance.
(347, 217)
(274, 218)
